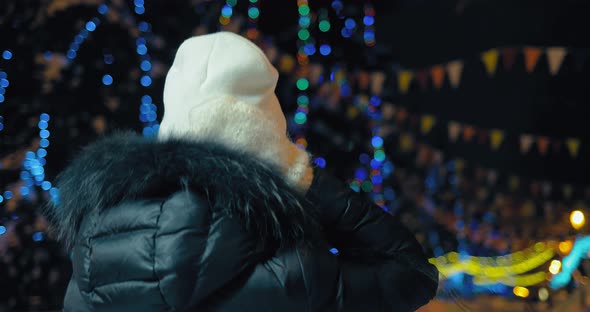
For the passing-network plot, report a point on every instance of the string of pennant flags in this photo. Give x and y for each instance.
(490, 59)
(321, 78)
(468, 133)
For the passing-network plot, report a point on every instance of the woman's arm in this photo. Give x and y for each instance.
(375, 247)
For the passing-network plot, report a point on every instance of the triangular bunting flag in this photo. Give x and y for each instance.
(555, 56)
(543, 144)
(490, 59)
(404, 78)
(526, 140)
(492, 177)
(422, 77)
(316, 71)
(513, 183)
(377, 80)
(496, 137)
(556, 145)
(455, 68)
(573, 145)
(413, 121)
(567, 191)
(401, 115)
(406, 142)
(459, 164)
(468, 133)
(427, 123)
(547, 187)
(531, 57)
(454, 130)
(482, 136)
(438, 75)
(508, 57)
(363, 79)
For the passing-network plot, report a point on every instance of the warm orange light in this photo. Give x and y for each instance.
(522, 292)
(577, 219)
(555, 266)
(565, 247)
(224, 20)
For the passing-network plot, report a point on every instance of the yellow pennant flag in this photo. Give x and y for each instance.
(573, 145)
(513, 183)
(427, 123)
(555, 56)
(455, 68)
(567, 191)
(454, 130)
(404, 78)
(406, 142)
(459, 165)
(526, 140)
(490, 59)
(496, 137)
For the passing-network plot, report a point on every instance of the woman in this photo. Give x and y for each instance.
(222, 212)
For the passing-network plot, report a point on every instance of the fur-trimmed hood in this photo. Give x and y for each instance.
(126, 166)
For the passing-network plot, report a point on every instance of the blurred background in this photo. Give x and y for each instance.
(467, 119)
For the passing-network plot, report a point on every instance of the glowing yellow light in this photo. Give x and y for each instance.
(555, 266)
(453, 257)
(522, 292)
(565, 247)
(543, 294)
(577, 219)
(540, 246)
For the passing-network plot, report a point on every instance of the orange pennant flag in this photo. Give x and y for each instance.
(496, 137)
(455, 68)
(526, 140)
(363, 79)
(531, 57)
(508, 57)
(438, 75)
(401, 115)
(555, 56)
(468, 133)
(490, 59)
(543, 144)
(404, 78)
(454, 130)
(573, 145)
(427, 123)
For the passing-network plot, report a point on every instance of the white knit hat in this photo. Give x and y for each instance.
(220, 88)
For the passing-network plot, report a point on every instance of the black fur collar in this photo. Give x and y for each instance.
(126, 166)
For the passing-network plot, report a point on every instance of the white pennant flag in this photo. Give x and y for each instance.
(555, 57)
(454, 69)
(526, 141)
(454, 130)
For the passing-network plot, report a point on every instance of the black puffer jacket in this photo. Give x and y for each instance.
(180, 226)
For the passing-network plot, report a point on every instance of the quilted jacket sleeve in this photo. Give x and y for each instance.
(377, 252)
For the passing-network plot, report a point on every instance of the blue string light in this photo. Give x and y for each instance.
(7, 55)
(227, 10)
(369, 21)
